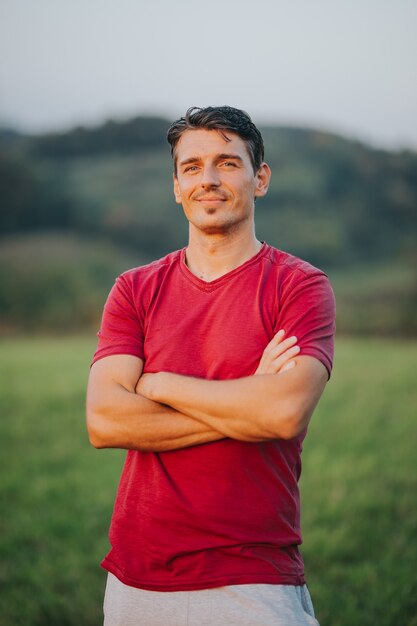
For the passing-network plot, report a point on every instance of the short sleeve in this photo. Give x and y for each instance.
(308, 311)
(121, 330)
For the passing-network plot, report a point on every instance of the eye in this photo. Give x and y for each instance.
(191, 168)
(228, 164)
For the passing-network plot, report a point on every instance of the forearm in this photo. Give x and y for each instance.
(256, 408)
(124, 419)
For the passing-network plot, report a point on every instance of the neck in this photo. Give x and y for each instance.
(211, 256)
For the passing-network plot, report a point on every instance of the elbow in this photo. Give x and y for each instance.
(96, 430)
(96, 440)
(292, 429)
(289, 424)
(94, 437)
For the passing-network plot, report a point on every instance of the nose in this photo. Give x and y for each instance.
(210, 177)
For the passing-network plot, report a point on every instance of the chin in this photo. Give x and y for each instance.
(219, 228)
(215, 230)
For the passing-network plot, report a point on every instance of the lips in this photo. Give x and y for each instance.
(210, 198)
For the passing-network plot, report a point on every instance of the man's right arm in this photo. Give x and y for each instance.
(118, 417)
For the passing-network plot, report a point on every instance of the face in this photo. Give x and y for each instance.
(215, 181)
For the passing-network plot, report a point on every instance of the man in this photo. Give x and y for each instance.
(209, 365)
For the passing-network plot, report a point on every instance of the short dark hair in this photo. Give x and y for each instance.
(224, 119)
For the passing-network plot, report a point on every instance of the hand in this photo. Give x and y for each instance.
(278, 354)
(146, 385)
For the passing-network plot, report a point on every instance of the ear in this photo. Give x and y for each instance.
(262, 176)
(177, 192)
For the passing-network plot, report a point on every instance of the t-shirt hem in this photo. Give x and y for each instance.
(275, 578)
(120, 350)
(320, 356)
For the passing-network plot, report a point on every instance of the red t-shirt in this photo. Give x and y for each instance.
(227, 512)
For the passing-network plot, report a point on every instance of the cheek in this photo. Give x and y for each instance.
(248, 189)
(184, 187)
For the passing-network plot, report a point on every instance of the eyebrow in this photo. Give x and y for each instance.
(219, 157)
(190, 160)
(225, 155)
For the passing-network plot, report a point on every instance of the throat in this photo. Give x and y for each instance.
(209, 267)
(209, 277)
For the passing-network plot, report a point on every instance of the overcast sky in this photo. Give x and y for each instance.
(344, 65)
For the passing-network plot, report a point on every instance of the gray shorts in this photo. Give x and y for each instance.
(235, 605)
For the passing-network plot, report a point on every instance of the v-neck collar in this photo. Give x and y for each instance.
(217, 282)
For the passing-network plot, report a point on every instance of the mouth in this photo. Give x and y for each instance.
(210, 199)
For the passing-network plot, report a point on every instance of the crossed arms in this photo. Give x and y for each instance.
(165, 411)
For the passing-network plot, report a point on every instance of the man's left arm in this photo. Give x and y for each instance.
(254, 408)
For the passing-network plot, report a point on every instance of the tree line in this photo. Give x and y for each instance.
(338, 203)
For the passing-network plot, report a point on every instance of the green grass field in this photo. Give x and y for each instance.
(359, 488)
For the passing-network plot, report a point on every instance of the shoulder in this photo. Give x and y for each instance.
(151, 273)
(136, 288)
(289, 267)
(298, 281)
(306, 305)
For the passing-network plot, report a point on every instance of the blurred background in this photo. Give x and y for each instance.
(87, 92)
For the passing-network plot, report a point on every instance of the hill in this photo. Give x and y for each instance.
(340, 204)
